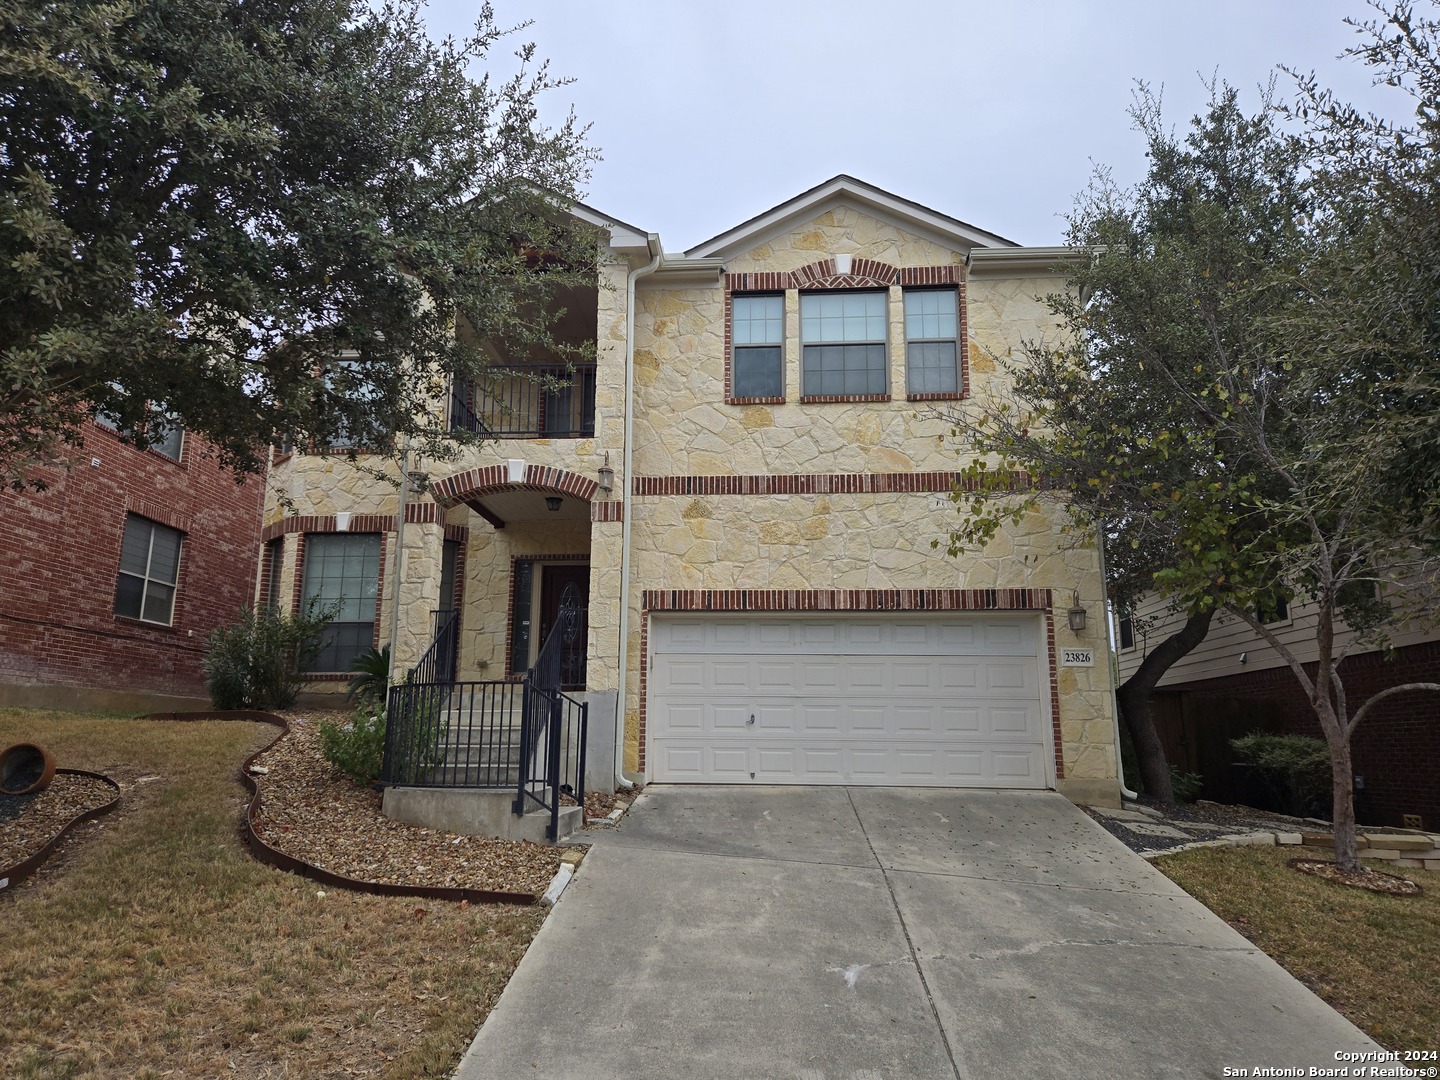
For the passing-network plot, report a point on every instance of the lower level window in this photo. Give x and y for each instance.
(149, 571)
(343, 571)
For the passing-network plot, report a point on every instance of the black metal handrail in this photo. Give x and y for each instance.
(527, 736)
(438, 663)
(527, 401)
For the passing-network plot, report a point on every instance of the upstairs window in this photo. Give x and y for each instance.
(149, 571)
(842, 338)
(757, 336)
(168, 438)
(930, 331)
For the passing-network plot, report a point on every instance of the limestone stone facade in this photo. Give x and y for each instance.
(819, 505)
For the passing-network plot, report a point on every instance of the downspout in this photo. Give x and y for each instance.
(399, 557)
(626, 491)
(1110, 660)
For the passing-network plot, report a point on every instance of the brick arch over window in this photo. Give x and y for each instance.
(475, 484)
(864, 274)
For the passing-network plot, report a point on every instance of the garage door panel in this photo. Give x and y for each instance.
(932, 700)
(961, 720)
(728, 718)
(820, 719)
(1012, 721)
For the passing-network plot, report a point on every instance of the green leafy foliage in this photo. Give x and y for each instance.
(1186, 785)
(256, 663)
(267, 219)
(1294, 768)
(371, 680)
(357, 746)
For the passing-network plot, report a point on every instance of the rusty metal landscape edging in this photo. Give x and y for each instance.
(14, 875)
(273, 856)
(258, 848)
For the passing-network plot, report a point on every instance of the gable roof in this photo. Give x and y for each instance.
(905, 212)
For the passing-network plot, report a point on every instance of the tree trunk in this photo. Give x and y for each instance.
(1133, 697)
(1342, 818)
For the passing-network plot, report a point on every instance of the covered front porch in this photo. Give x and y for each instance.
(492, 715)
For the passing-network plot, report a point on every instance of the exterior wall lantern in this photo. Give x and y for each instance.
(1076, 613)
(606, 481)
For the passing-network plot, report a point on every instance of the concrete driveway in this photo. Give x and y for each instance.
(869, 933)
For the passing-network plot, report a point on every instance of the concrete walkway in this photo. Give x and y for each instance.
(869, 933)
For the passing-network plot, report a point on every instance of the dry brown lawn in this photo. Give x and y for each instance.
(154, 945)
(1375, 958)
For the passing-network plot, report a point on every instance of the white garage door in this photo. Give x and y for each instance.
(949, 701)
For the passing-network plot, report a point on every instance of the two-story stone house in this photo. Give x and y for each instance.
(742, 495)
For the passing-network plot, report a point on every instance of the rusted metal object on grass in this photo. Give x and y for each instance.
(25, 769)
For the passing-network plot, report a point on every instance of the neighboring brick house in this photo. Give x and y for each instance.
(117, 572)
(1234, 682)
(767, 555)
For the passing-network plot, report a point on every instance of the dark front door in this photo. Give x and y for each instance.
(565, 597)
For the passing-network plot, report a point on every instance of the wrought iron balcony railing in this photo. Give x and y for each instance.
(528, 402)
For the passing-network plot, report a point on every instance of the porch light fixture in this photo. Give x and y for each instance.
(552, 503)
(606, 480)
(1076, 613)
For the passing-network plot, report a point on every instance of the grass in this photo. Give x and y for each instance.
(157, 946)
(1374, 958)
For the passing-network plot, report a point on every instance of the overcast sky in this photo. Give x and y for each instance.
(710, 112)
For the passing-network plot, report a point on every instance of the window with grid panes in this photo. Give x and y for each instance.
(757, 342)
(343, 570)
(931, 324)
(149, 571)
(842, 339)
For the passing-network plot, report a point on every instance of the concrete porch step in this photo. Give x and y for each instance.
(475, 812)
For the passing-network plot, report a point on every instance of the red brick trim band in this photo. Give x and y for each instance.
(1055, 694)
(851, 600)
(459, 533)
(415, 514)
(608, 511)
(477, 483)
(155, 511)
(826, 399)
(811, 484)
(845, 600)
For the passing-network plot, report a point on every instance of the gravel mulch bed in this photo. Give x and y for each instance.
(1149, 828)
(1365, 878)
(29, 822)
(310, 810)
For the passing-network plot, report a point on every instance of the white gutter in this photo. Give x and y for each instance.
(399, 557)
(626, 493)
(1110, 660)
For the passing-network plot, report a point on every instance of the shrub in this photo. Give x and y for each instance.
(256, 663)
(371, 680)
(1295, 769)
(1186, 785)
(357, 747)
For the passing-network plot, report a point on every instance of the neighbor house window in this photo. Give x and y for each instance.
(1127, 633)
(757, 336)
(842, 337)
(149, 571)
(1273, 611)
(342, 571)
(168, 438)
(931, 360)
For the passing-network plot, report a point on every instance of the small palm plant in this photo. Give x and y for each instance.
(370, 682)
